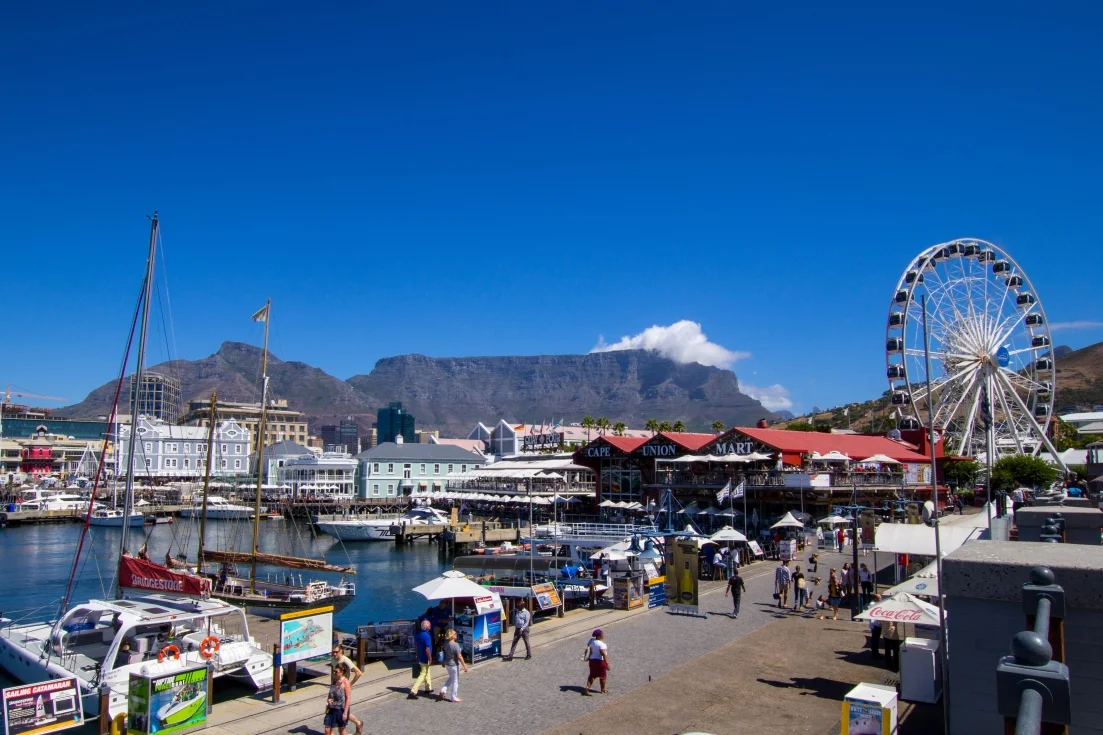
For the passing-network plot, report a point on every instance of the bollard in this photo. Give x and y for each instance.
(292, 676)
(105, 717)
(118, 725)
(361, 652)
(275, 673)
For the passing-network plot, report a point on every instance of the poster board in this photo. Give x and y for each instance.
(547, 596)
(479, 635)
(869, 709)
(656, 592)
(48, 706)
(167, 703)
(394, 638)
(628, 592)
(787, 549)
(755, 548)
(305, 634)
(681, 577)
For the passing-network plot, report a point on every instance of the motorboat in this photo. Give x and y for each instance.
(381, 528)
(183, 707)
(103, 642)
(43, 498)
(218, 509)
(113, 518)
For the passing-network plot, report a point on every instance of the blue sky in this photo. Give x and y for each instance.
(523, 178)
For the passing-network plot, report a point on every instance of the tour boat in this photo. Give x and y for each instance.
(165, 634)
(381, 529)
(114, 518)
(218, 509)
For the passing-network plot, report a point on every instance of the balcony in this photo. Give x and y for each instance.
(774, 478)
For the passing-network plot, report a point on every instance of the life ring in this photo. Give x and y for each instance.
(209, 647)
(166, 651)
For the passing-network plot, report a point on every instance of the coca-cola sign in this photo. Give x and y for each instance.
(903, 615)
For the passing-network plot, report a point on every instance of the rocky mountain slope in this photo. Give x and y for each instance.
(452, 393)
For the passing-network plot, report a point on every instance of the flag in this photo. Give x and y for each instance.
(985, 407)
(262, 314)
(723, 494)
(739, 489)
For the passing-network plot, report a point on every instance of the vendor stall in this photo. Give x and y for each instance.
(476, 613)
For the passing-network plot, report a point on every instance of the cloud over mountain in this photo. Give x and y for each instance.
(774, 397)
(683, 342)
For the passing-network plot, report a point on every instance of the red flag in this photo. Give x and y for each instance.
(149, 577)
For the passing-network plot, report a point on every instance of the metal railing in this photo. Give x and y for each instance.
(1033, 690)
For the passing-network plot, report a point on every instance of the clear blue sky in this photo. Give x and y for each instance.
(520, 178)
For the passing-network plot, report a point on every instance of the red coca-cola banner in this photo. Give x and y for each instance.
(905, 616)
(149, 577)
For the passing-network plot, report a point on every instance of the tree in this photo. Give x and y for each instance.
(962, 474)
(587, 424)
(799, 426)
(603, 424)
(619, 428)
(718, 426)
(665, 426)
(1026, 470)
(652, 425)
(678, 426)
(1064, 436)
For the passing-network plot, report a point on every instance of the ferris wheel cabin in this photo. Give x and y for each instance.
(1034, 320)
(1013, 281)
(1025, 301)
(1039, 342)
(894, 346)
(896, 372)
(901, 398)
(1044, 365)
(1001, 266)
(901, 297)
(896, 320)
(913, 277)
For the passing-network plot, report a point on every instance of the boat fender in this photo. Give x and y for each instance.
(166, 651)
(209, 647)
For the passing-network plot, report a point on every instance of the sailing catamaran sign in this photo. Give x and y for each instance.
(48, 706)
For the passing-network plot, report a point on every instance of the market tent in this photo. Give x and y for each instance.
(923, 582)
(452, 584)
(607, 504)
(541, 501)
(691, 458)
(788, 521)
(905, 538)
(902, 608)
(881, 459)
(760, 457)
(834, 521)
(727, 533)
(833, 456)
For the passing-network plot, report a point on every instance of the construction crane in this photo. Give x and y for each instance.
(8, 393)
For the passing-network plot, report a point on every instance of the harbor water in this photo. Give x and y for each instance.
(36, 561)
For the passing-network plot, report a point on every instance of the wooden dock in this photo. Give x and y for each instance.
(73, 515)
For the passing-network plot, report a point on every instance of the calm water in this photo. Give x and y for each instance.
(35, 562)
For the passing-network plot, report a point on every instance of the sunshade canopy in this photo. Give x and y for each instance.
(727, 533)
(452, 584)
(902, 608)
(788, 521)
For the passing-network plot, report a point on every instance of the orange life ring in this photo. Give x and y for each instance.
(166, 651)
(209, 647)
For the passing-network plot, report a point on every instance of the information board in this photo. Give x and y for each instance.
(169, 703)
(47, 706)
(547, 596)
(480, 636)
(627, 593)
(656, 592)
(305, 634)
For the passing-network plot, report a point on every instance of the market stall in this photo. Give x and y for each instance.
(478, 622)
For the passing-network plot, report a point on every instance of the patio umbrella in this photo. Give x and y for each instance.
(881, 458)
(833, 521)
(788, 521)
(541, 501)
(923, 582)
(902, 608)
(832, 456)
(453, 584)
(690, 510)
(607, 504)
(727, 533)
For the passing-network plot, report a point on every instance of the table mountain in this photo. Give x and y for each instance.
(452, 393)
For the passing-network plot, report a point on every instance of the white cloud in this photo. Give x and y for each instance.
(1065, 326)
(681, 341)
(774, 397)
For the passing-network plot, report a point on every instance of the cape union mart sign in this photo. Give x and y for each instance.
(658, 450)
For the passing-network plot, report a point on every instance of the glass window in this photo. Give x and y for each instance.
(406, 471)
(187, 464)
(149, 447)
(222, 448)
(237, 464)
(463, 468)
(423, 469)
(375, 489)
(149, 463)
(436, 469)
(450, 469)
(375, 468)
(223, 464)
(390, 468)
(390, 488)
(187, 448)
(237, 449)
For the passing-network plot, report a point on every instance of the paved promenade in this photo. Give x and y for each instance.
(653, 654)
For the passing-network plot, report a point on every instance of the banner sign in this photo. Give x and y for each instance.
(656, 592)
(547, 596)
(756, 549)
(536, 442)
(627, 593)
(787, 549)
(305, 634)
(395, 638)
(48, 706)
(480, 636)
(173, 703)
(149, 577)
(488, 603)
(681, 576)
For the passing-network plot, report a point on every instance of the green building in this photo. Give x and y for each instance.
(393, 421)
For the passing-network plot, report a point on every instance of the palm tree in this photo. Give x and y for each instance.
(587, 424)
(679, 426)
(665, 426)
(603, 424)
(718, 426)
(619, 428)
(652, 425)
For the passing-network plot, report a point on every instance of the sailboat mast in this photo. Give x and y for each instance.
(128, 500)
(206, 483)
(261, 430)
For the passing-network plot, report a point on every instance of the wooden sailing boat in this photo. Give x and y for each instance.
(266, 597)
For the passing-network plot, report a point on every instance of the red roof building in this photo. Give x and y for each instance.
(798, 446)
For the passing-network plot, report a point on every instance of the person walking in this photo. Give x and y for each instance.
(782, 578)
(834, 595)
(598, 661)
(423, 642)
(800, 589)
(736, 588)
(865, 578)
(352, 674)
(453, 660)
(522, 619)
(337, 703)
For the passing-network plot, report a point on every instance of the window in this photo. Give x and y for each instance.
(149, 447)
(172, 448)
(187, 464)
(223, 464)
(237, 464)
(436, 469)
(200, 464)
(390, 488)
(406, 471)
(187, 448)
(422, 470)
(149, 463)
(450, 469)
(375, 468)
(169, 463)
(222, 448)
(375, 489)
(463, 468)
(390, 468)
(237, 449)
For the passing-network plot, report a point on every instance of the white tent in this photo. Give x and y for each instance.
(607, 504)
(788, 521)
(541, 501)
(834, 521)
(727, 533)
(902, 608)
(688, 458)
(923, 582)
(879, 458)
(760, 457)
(451, 584)
(727, 458)
(904, 538)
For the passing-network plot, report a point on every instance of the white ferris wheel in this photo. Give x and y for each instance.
(990, 350)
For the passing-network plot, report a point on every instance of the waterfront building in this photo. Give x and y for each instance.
(164, 451)
(20, 422)
(345, 434)
(1088, 422)
(472, 445)
(543, 474)
(328, 475)
(276, 456)
(10, 457)
(398, 468)
(158, 397)
(281, 421)
(394, 421)
(508, 439)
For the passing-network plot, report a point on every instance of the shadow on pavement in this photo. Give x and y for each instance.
(572, 688)
(818, 686)
(305, 730)
(864, 656)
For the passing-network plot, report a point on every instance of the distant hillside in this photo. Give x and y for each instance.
(451, 394)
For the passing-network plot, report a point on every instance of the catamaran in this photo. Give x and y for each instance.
(378, 528)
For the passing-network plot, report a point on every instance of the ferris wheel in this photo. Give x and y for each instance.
(991, 358)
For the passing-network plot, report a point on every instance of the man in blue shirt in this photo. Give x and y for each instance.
(423, 642)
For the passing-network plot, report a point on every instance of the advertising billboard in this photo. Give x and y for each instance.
(47, 706)
(305, 634)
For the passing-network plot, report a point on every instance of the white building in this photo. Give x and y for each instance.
(1090, 422)
(394, 469)
(328, 475)
(506, 439)
(168, 451)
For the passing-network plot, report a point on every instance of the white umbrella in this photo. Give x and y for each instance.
(923, 582)
(451, 584)
(788, 521)
(710, 511)
(832, 456)
(727, 533)
(760, 457)
(691, 509)
(883, 459)
(541, 501)
(902, 608)
(833, 521)
(607, 504)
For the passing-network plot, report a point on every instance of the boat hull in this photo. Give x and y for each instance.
(357, 531)
(217, 514)
(273, 608)
(116, 522)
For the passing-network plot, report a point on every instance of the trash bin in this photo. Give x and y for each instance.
(920, 674)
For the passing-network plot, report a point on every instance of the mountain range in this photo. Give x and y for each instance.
(452, 393)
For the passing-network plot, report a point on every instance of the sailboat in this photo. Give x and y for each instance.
(267, 597)
(159, 631)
